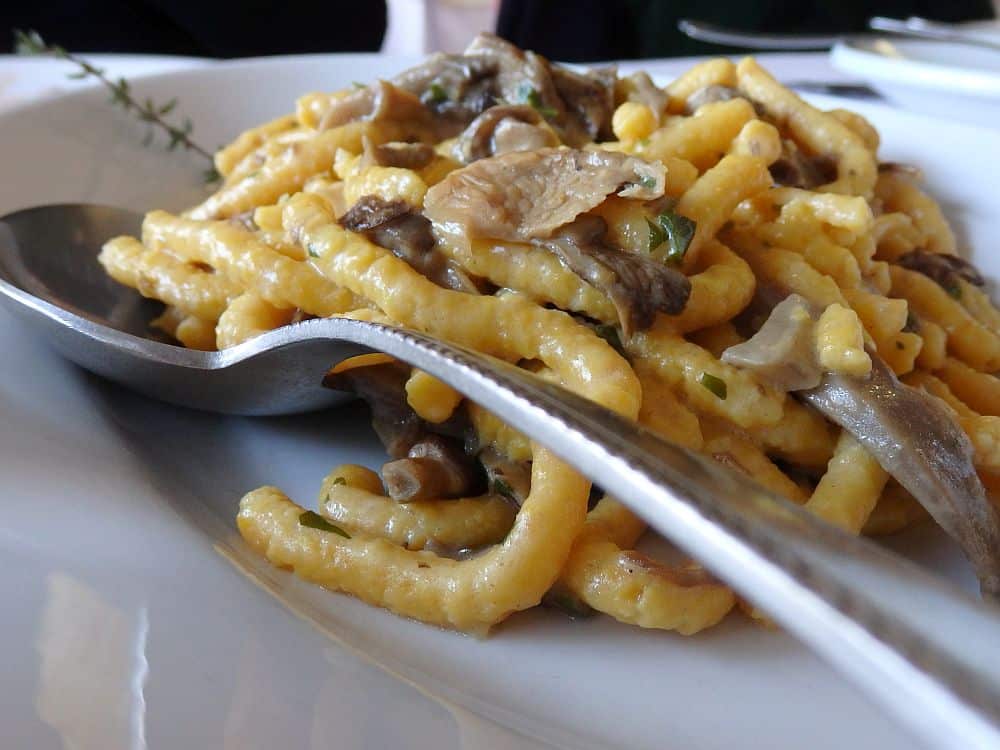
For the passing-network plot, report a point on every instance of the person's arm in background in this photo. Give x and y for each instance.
(209, 28)
(591, 30)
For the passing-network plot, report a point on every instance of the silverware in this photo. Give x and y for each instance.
(880, 620)
(914, 26)
(715, 34)
(922, 28)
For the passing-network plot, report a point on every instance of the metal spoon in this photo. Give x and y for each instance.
(913, 27)
(883, 622)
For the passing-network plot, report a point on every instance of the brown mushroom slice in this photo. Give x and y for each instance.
(637, 285)
(395, 226)
(525, 195)
(396, 154)
(710, 94)
(503, 129)
(377, 102)
(914, 438)
(947, 270)
(782, 352)
(382, 385)
(794, 168)
(641, 89)
(589, 98)
(435, 467)
(912, 435)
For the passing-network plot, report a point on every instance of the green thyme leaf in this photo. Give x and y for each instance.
(567, 603)
(211, 175)
(313, 252)
(359, 85)
(676, 231)
(610, 334)
(716, 385)
(436, 94)
(316, 521)
(647, 182)
(531, 97)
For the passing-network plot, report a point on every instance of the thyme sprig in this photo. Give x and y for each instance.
(146, 110)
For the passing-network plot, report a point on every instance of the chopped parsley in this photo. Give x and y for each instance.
(531, 97)
(312, 250)
(436, 94)
(716, 385)
(610, 334)
(673, 229)
(647, 182)
(316, 521)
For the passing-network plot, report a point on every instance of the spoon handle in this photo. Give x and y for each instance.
(849, 600)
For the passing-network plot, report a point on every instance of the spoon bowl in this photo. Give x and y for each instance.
(50, 278)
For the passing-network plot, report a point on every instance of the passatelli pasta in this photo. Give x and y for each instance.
(626, 241)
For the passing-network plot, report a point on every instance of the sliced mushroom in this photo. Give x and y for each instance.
(590, 97)
(383, 388)
(945, 269)
(638, 285)
(396, 154)
(709, 95)
(915, 438)
(492, 71)
(435, 467)
(797, 169)
(640, 88)
(782, 352)
(396, 226)
(525, 195)
(379, 101)
(503, 129)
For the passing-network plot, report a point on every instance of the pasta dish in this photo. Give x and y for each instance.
(717, 259)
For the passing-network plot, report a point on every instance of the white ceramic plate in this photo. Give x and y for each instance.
(133, 615)
(959, 81)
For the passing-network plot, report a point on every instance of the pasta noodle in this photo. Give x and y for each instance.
(718, 194)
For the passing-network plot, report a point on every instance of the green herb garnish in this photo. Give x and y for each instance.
(436, 94)
(673, 229)
(30, 43)
(358, 85)
(567, 603)
(954, 290)
(316, 521)
(647, 182)
(716, 385)
(314, 253)
(531, 97)
(610, 334)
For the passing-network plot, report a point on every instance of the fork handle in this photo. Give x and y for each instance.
(883, 622)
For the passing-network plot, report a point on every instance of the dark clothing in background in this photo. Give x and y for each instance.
(573, 30)
(209, 28)
(588, 30)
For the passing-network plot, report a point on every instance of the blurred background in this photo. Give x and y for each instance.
(572, 30)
